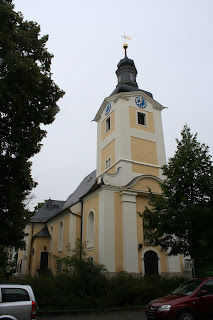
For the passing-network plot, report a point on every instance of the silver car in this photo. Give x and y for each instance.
(17, 300)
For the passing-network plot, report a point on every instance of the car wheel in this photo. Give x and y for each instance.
(186, 315)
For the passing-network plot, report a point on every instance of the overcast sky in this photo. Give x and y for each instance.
(172, 47)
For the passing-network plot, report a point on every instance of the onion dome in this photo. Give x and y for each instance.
(126, 74)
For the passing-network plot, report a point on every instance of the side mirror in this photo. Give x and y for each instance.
(202, 293)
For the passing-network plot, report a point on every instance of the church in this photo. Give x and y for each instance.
(103, 211)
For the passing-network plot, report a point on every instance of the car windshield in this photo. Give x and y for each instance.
(188, 287)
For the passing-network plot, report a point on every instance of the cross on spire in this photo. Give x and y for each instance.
(125, 45)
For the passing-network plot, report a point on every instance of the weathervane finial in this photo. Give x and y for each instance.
(125, 45)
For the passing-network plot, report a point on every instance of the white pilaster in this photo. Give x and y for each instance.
(173, 264)
(107, 229)
(26, 252)
(130, 243)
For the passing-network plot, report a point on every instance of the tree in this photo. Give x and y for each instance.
(181, 219)
(87, 277)
(28, 99)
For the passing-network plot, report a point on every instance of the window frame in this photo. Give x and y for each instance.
(90, 231)
(107, 124)
(60, 236)
(145, 119)
(108, 163)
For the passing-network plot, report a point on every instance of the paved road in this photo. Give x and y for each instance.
(120, 315)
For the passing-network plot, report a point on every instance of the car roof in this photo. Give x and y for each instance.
(6, 284)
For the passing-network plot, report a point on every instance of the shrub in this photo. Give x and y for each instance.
(94, 289)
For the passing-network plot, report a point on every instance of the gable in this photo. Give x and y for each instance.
(144, 183)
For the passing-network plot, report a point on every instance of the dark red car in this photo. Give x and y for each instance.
(192, 300)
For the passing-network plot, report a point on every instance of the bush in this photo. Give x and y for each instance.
(94, 289)
(81, 284)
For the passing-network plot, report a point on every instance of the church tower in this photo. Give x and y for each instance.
(129, 131)
(130, 154)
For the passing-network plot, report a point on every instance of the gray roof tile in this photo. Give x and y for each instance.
(48, 210)
(86, 184)
(43, 233)
(53, 207)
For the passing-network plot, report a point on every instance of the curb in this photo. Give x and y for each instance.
(88, 311)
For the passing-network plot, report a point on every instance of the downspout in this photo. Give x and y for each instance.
(81, 235)
(31, 243)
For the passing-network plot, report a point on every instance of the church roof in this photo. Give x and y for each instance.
(53, 207)
(84, 187)
(126, 88)
(43, 233)
(48, 210)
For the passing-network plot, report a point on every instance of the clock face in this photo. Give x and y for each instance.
(141, 102)
(108, 108)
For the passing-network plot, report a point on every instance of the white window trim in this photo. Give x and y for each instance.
(60, 237)
(146, 119)
(108, 160)
(91, 246)
(106, 130)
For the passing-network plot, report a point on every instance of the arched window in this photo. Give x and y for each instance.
(90, 230)
(60, 236)
(51, 240)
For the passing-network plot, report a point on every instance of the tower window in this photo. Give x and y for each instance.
(107, 124)
(142, 119)
(108, 163)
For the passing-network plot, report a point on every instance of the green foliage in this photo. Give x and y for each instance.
(84, 276)
(121, 290)
(38, 206)
(3, 263)
(28, 99)
(182, 218)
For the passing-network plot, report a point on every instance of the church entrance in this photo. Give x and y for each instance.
(151, 262)
(44, 260)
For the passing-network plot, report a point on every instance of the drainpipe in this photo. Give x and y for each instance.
(81, 226)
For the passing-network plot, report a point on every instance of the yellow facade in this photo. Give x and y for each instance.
(39, 245)
(104, 133)
(144, 151)
(92, 205)
(144, 184)
(144, 169)
(106, 153)
(78, 227)
(134, 123)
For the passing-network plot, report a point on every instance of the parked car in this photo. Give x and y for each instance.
(192, 300)
(18, 301)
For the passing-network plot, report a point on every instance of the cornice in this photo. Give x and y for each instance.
(125, 96)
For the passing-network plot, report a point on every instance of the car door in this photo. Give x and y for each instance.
(15, 302)
(206, 301)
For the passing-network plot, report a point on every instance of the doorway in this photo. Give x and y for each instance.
(151, 262)
(44, 260)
